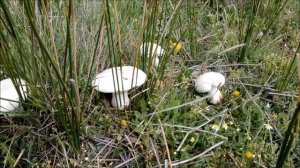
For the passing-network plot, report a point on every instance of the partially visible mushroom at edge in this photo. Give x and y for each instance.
(152, 50)
(9, 97)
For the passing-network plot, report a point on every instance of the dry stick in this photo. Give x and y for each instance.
(251, 85)
(118, 29)
(200, 155)
(123, 159)
(77, 101)
(169, 21)
(200, 126)
(197, 161)
(283, 94)
(166, 143)
(155, 152)
(230, 65)
(172, 6)
(101, 151)
(51, 35)
(231, 48)
(179, 106)
(133, 153)
(166, 163)
(255, 103)
(99, 49)
(145, 90)
(194, 129)
(260, 165)
(287, 94)
(74, 53)
(127, 161)
(234, 160)
(19, 157)
(150, 118)
(51, 123)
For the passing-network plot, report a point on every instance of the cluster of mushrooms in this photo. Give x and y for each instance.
(117, 81)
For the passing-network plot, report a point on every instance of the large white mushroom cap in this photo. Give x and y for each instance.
(152, 49)
(9, 97)
(119, 79)
(207, 81)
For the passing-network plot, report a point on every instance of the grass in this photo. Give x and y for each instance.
(58, 47)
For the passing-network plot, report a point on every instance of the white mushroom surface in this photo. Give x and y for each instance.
(118, 81)
(9, 97)
(210, 82)
(152, 50)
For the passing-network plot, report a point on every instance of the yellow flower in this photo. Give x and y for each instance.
(236, 93)
(177, 47)
(124, 123)
(215, 127)
(249, 155)
(192, 139)
(225, 125)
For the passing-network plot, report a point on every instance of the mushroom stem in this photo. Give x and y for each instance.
(156, 61)
(215, 95)
(120, 100)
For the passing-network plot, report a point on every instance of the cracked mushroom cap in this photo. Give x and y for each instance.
(117, 79)
(207, 81)
(9, 97)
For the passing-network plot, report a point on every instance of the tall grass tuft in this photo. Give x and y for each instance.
(257, 18)
(292, 131)
(34, 50)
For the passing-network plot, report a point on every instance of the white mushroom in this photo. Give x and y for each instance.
(9, 97)
(152, 50)
(118, 81)
(210, 82)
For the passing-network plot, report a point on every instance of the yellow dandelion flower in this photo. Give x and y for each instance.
(236, 93)
(225, 125)
(177, 47)
(124, 123)
(249, 155)
(192, 140)
(215, 127)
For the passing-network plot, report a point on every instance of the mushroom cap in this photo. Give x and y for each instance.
(119, 79)
(208, 81)
(152, 49)
(9, 97)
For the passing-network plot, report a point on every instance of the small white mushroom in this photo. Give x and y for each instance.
(210, 82)
(9, 97)
(118, 81)
(152, 50)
